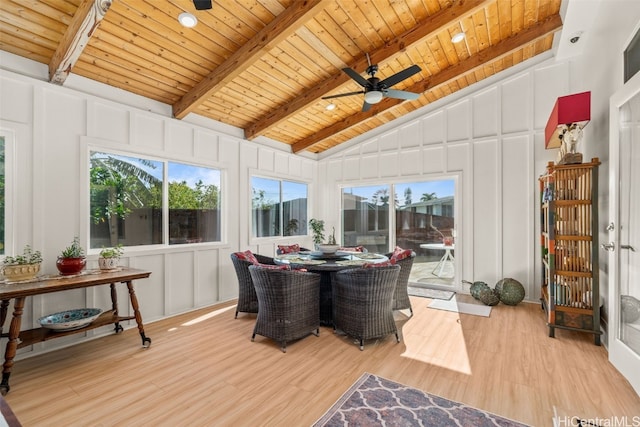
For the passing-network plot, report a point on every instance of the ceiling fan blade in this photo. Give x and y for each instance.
(202, 4)
(340, 95)
(355, 76)
(398, 77)
(400, 94)
(365, 106)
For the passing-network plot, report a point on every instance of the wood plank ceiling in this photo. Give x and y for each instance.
(264, 65)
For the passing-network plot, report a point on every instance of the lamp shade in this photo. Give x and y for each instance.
(568, 109)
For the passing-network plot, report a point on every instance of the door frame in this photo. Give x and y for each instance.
(620, 355)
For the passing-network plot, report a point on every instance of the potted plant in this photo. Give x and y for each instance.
(317, 227)
(331, 246)
(109, 257)
(22, 267)
(71, 260)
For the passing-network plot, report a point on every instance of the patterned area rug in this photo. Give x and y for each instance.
(375, 401)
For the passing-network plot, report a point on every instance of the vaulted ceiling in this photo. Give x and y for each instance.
(265, 65)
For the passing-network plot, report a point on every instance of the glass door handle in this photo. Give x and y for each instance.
(631, 248)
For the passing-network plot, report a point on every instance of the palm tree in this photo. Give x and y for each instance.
(428, 196)
(117, 186)
(382, 196)
(407, 196)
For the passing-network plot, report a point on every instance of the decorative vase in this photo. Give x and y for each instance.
(70, 266)
(108, 263)
(18, 272)
(511, 291)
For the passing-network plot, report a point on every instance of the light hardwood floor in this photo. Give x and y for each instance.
(203, 370)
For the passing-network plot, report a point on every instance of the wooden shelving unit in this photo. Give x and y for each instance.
(569, 241)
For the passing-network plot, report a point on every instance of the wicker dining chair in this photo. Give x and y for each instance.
(401, 295)
(289, 303)
(362, 301)
(284, 249)
(247, 299)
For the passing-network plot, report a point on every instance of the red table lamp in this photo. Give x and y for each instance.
(570, 115)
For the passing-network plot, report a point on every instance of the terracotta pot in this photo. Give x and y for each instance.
(69, 266)
(14, 273)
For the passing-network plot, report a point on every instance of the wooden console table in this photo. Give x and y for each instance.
(19, 291)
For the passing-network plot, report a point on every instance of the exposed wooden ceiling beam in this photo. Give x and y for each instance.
(550, 25)
(83, 24)
(427, 28)
(273, 33)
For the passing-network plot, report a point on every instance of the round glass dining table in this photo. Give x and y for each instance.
(327, 265)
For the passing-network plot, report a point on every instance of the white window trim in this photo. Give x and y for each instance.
(93, 144)
(248, 200)
(10, 243)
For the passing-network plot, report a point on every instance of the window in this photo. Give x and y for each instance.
(126, 201)
(194, 204)
(417, 213)
(632, 57)
(425, 213)
(365, 217)
(278, 208)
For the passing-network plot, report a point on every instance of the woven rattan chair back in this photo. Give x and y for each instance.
(363, 302)
(401, 295)
(289, 304)
(247, 299)
(279, 252)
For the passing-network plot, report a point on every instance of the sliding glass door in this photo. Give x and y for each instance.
(416, 215)
(365, 217)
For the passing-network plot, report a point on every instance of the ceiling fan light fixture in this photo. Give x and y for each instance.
(373, 97)
(331, 106)
(187, 20)
(458, 37)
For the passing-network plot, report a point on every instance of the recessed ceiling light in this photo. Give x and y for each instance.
(187, 20)
(331, 106)
(458, 37)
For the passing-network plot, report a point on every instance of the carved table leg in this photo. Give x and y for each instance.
(12, 344)
(146, 342)
(114, 306)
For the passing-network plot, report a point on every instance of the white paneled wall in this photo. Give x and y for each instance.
(492, 142)
(54, 128)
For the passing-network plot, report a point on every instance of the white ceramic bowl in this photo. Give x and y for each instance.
(70, 319)
(328, 249)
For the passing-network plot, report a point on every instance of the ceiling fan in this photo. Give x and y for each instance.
(202, 4)
(375, 89)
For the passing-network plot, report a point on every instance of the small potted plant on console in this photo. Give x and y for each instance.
(110, 257)
(71, 260)
(22, 267)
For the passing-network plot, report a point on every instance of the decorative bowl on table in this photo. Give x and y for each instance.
(328, 249)
(70, 319)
